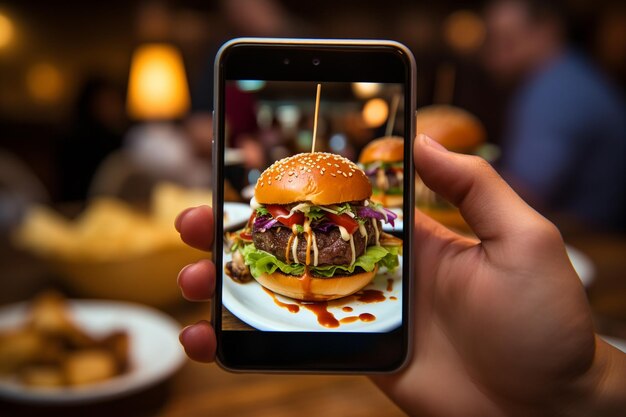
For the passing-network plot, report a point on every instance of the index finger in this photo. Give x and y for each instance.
(195, 226)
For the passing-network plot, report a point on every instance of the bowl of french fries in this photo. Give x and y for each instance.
(114, 251)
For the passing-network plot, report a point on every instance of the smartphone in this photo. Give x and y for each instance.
(313, 200)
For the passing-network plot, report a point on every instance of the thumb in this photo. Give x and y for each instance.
(486, 202)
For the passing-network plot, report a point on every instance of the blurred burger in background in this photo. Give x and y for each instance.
(383, 162)
(458, 131)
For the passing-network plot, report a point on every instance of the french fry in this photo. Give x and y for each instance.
(18, 348)
(42, 376)
(89, 366)
(118, 343)
(49, 316)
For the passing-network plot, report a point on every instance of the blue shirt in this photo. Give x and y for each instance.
(566, 143)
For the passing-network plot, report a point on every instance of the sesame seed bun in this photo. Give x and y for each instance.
(320, 289)
(455, 128)
(385, 149)
(320, 178)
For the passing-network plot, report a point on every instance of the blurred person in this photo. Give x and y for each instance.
(564, 149)
(98, 126)
(502, 324)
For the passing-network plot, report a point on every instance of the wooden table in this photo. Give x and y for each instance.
(206, 390)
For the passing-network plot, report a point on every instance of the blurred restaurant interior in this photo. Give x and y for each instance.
(95, 162)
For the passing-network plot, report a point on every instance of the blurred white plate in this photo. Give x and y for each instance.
(617, 343)
(398, 224)
(250, 303)
(236, 214)
(155, 352)
(582, 264)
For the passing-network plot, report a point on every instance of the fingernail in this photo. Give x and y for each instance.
(431, 142)
(183, 333)
(179, 219)
(181, 273)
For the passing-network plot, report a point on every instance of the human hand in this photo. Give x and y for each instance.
(502, 326)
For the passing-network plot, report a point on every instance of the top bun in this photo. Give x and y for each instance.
(320, 178)
(385, 149)
(455, 128)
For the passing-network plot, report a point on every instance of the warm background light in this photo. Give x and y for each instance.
(44, 82)
(464, 31)
(6, 31)
(375, 112)
(158, 85)
(365, 90)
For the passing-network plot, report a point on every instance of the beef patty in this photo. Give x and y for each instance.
(332, 249)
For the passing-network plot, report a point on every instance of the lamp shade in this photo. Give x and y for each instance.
(157, 88)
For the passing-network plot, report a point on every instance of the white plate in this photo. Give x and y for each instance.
(155, 352)
(617, 343)
(398, 224)
(250, 303)
(582, 264)
(237, 214)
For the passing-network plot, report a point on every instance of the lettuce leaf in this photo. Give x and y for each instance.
(261, 262)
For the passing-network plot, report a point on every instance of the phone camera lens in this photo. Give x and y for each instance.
(316, 61)
(286, 61)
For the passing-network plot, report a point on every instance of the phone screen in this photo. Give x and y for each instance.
(315, 194)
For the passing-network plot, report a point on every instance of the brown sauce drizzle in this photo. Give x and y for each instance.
(320, 308)
(306, 281)
(288, 248)
(370, 296)
(324, 317)
(393, 298)
(367, 317)
(292, 308)
(389, 284)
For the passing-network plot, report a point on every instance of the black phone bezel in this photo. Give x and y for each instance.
(339, 61)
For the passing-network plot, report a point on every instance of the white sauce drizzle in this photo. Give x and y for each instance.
(315, 253)
(294, 252)
(363, 230)
(376, 231)
(352, 248)
(344, 233)
(309, 237)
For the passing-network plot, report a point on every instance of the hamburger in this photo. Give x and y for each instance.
(314, 233)
(458, 131)
(383, 162)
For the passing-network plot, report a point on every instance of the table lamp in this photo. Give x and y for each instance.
(157, 88)
(158, 94)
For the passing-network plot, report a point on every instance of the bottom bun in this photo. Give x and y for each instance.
(388, 200)
(317, 289)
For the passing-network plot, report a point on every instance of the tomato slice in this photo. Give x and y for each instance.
(245, 236)
(344, 220)
(277, 210)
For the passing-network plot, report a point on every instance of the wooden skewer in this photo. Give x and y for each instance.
(317, 109)
(391, 121)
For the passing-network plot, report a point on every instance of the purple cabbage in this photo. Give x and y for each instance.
(263, 223)
(370, 212)
(323, 226)
(371, 171)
